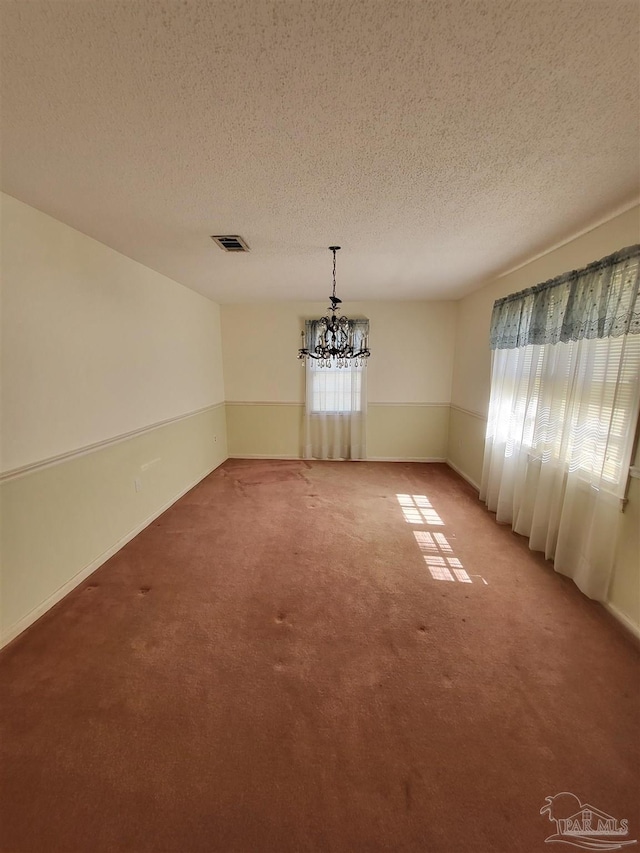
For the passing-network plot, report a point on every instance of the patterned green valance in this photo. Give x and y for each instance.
(600, 301)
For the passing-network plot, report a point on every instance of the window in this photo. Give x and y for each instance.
(592, 432)
(335, 412)
(335, 389)
(563, 413)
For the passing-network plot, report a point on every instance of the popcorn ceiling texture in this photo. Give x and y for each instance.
(438, 142)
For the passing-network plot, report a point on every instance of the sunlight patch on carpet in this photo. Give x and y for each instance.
(417, 509)
(438, 553)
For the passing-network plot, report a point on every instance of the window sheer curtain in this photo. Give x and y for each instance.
(336, 401)
(563, 412)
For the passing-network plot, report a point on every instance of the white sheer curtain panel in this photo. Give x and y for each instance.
(335, 419)
(563, 412)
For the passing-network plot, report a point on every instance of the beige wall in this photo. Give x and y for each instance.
(60, 522)
(466, 443)
(408, 377)
(471, 382)
(412, 432)
(112, 404)
(94, 344)
(265, 430)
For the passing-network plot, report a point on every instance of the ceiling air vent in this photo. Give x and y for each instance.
(230, 242)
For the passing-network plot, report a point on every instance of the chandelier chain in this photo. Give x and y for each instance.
(334, 250)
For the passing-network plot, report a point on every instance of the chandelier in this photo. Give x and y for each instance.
(335, 341)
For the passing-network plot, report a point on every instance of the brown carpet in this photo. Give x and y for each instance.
(279, 663)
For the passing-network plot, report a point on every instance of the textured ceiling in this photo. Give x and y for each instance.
(438, 142)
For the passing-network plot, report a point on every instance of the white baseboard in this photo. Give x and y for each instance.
(463, 475)
(31, 617)
(405, 459)
(623, 619)
(368, 459)
(264, 456)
